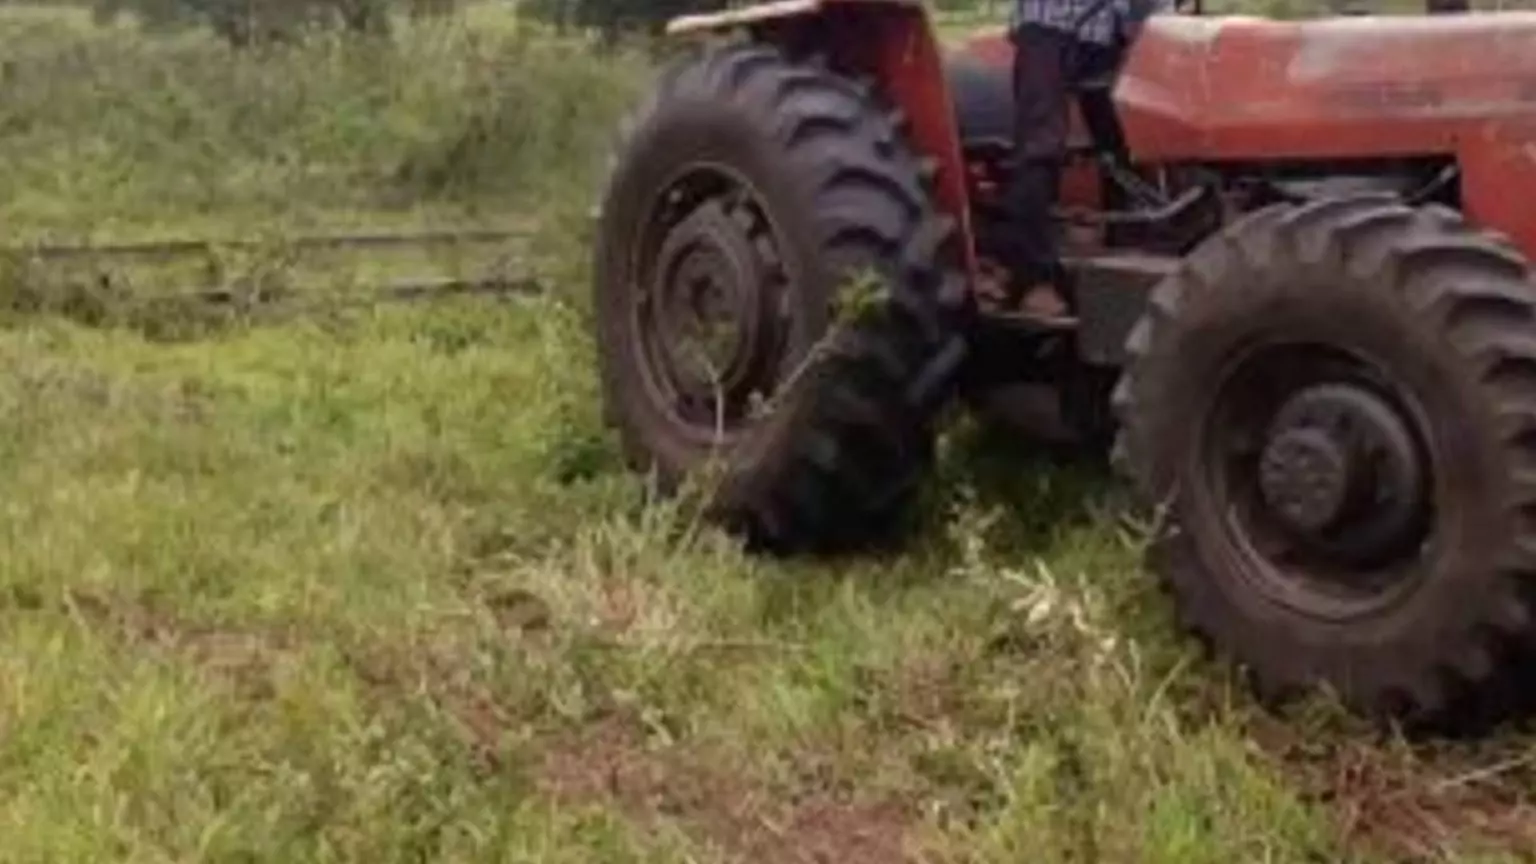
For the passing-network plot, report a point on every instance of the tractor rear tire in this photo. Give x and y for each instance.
(1332, 408)
(750, 195)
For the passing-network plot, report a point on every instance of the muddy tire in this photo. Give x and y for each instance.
(750, 196)
(1333, 409)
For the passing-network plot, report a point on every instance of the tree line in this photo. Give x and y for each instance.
(248, 22)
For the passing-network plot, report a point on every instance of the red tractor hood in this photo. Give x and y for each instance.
(1244, 88)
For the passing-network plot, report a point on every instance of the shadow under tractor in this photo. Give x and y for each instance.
(1302, 312)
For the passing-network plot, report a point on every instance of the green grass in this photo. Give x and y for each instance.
(372, 585)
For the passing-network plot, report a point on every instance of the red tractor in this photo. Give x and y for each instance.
(1300, 256)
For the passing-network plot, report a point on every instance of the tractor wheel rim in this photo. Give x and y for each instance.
(713, 315)
(1315, 470)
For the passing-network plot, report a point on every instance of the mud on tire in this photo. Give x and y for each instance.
(1333, 408)
(750, 195)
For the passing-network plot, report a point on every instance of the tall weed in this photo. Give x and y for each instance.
(462, 117)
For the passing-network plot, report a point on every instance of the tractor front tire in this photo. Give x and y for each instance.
(1332, 408)
(749, 197)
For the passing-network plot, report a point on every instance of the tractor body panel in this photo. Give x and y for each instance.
(1228, 90)
(1237, 90)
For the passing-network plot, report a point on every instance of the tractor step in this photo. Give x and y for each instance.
(1111, 293)
(1111, 289)
(1026, 324)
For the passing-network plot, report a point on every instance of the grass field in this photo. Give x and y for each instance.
(371, 584)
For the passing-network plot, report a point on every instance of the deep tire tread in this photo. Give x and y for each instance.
(860, 448)
(1476, 292)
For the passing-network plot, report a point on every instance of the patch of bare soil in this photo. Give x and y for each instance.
(240, 655)
(716, 805)
(1417, 805)
(243, 657)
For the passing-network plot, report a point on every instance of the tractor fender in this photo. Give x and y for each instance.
(889, 43)
(713, 22)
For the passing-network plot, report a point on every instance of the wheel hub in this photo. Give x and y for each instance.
(1341, 470)
(711, 301)
(1307, 476)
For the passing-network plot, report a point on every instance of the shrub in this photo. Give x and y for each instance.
(248, 22)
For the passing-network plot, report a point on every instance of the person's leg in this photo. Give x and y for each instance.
(1036, 268)
(1092, 60)
(1041, 81)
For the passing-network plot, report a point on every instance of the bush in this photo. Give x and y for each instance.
(248, 22)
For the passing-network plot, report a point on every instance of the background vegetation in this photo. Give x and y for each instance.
(371, 584)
